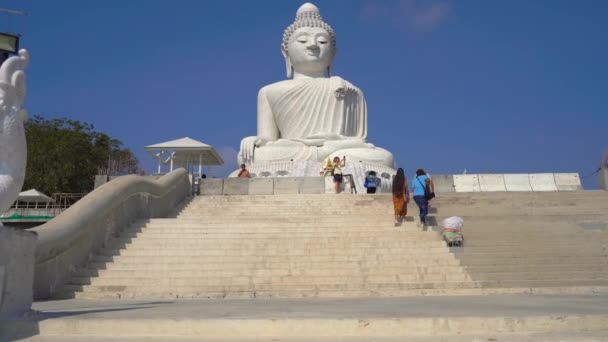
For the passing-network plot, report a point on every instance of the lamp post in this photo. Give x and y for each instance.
(9, 44)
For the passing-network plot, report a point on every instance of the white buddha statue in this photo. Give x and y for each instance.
(312, 115)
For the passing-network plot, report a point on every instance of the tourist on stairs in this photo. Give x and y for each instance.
(371, 182)
(421, 194)
(401, 196)
(337, 172)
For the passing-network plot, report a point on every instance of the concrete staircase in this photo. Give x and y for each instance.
(347, 246)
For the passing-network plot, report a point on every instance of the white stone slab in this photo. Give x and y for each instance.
(542, 182)
(345, 187)
(568, 181)
(236, 186)
(286, 186)
(603, 179)
(261, 186)
(466, 183)
(443, 183)
(2, 281)
(17, 250)
(311, 185)
(492, 182)
(211, 186)
(517, 182)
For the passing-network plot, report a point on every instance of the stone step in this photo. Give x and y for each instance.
(294, 235)
(197, 272)
(277, 227)
(381, 277)
(361, 293)
(331, 237)
(579, 336)
(272, 239)
(442, 270)
(430, 240)
(334, 287)
(211, 280)
(412, 234)
(315, 261)
(527, 267)
(300, 252)
(499, 260)
(379, 231)
(404, 241)
(408, 227)
(354, 249)
(287, 219)
(373, 251)
(297, 210)
(265, 245)
(537, 231)
(139, 262)
(322, 216)
(280, 224)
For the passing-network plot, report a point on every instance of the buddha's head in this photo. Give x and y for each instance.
(309, 43)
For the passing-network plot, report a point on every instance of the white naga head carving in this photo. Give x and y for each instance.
(13, 149)
(309, 43)
(12, 89)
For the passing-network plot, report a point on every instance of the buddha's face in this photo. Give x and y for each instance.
(310, 50)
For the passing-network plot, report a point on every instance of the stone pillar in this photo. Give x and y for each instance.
(603, 179)
(17, 249)
(100, 180)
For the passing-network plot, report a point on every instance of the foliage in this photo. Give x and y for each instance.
(64, 155)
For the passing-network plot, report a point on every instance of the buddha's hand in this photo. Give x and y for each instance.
(248, 146)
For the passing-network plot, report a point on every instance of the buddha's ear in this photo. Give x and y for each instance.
(288, 66)
(331, 62)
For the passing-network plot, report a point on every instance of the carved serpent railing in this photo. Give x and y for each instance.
(69, 240)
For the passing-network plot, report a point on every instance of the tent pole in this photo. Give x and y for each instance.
(200, 166)
(160, 155)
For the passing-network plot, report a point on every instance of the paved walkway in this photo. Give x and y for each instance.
(408, 307)
(419, 319)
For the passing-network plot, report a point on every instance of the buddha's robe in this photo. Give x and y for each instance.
(317, 118)
(321, 107)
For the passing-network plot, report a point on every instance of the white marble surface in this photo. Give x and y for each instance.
(13, 151)
(312, 115)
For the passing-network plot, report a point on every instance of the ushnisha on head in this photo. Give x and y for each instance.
(309, 44)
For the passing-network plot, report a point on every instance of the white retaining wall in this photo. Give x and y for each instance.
(525, 182)
(535, 182)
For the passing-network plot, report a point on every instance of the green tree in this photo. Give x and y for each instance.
(64, 155)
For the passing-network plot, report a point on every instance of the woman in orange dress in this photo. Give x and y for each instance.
(401, 196)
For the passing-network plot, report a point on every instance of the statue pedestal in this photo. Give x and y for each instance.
(308, 168)
(17, 249)
(603, 179)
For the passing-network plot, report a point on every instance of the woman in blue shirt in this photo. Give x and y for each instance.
(418, 186)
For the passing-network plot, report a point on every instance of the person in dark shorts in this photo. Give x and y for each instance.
(337, 172)
(371, 182)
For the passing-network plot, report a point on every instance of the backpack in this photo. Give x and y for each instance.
(428, 194)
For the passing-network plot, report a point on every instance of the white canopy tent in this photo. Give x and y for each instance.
(186, 152)
(33, 196)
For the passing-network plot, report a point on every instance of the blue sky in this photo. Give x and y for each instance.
(487, 86)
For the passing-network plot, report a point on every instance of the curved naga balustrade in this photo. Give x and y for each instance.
(66, 242)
